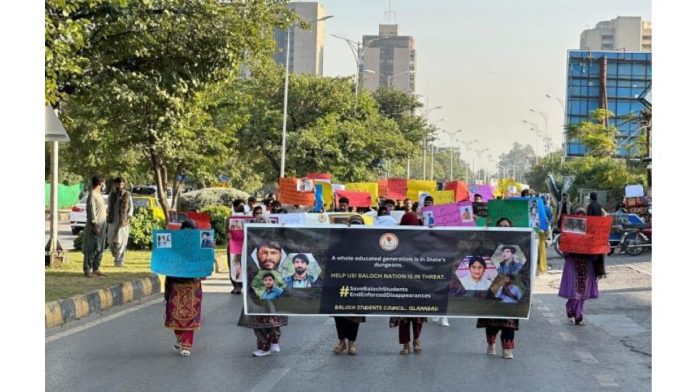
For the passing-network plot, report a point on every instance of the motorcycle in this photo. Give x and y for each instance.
(636, 239)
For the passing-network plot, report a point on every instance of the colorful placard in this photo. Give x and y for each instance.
(515, 210)
(183, 253)
(453, 214)
(356, 199)
(461, 190)
(584, 234)
(288, 192)
(370, 187)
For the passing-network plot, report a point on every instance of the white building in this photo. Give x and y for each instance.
(390, 60)
(306, 46)
(628, 33)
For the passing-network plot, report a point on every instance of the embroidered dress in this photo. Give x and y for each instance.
(183, 311)
(266, 328)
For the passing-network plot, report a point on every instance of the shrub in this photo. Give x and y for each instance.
(142, 226)
(218, 220)
(197, 200)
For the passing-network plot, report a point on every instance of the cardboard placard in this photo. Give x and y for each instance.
(183, 253)
(202, 219)
(461, 190)
(515, 210)
(356, 199)
(382, 187)
(486, 191)
(443, 197)
(288, 194)
(453, 214)
(635, 191)
(318, 176)
(585, 234)
(370, 187)
(397, 188)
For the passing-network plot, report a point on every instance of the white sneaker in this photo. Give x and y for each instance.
(275, 347)
(444, 323)
(507, 354)
(184, 353)
(491, 349)
(261, 353)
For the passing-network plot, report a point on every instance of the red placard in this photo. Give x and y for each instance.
(356, 199)
(461, 190)
(288, 194)
(318, 176)
(585, 234)
(382, 187)
(202, 219)
(397, 188)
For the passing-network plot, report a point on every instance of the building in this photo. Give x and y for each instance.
(627, 33)
(389, 60)
(306, 46)
(613, 80)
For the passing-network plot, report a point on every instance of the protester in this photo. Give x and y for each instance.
(594, 208)
(238, 207)
(258, 211)
(343, 203)
(95, 229)
(564, 208)
(347, 327)
(407, 323)
(251, 203)
(277, 208)
(579, 279)
(266, 328)
(383, 217)
(506, 327)
(408, 205)
(183, 298)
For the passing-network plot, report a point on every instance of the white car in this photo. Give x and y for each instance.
(78, 214)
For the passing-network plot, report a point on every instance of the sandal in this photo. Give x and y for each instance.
(417, 348)
(352, 350)
(340, 347)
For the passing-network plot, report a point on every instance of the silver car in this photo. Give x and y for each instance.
(78, 214)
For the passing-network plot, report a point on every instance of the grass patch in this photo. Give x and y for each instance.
(69, 280)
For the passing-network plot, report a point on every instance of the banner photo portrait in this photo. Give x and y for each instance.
(453, 214)
(461, 272)
(183, 253)
(585, 234)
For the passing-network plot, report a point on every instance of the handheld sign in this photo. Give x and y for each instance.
(183, 253)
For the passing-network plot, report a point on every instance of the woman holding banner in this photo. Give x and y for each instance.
(506, 327)
(183, 298)
(579, 279)
(406, 323)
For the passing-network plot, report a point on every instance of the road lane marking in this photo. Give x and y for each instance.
(568, 337)
(270, 379)
(91, 324)
(586, 356)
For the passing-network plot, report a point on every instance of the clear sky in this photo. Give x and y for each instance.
(487, 62)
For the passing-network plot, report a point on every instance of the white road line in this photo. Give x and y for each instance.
(606, 380)
(585, 356)
(270, 379)
(568, 337)
(91, 324)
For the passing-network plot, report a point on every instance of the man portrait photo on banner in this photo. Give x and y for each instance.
(509, 259)
(268, 255)
(268, 285)
(301, 271)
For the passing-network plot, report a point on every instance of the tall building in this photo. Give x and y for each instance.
(627, 33)
(306, 46)
(389, 60)
(613, 80)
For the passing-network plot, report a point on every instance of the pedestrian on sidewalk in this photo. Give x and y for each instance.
(183, 298)
(266, 328)
(579, 279)
(95, 229)
(405, 324)
(506, 327)
(118, 216)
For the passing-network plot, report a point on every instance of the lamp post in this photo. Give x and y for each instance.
(432, 149)
(425, 114)
(534, 128)
(548, 139)
(54, 133)
(451, 137)
(358, 51)
(546, 119)
(467, 146)
(478, 153)
(285, 94)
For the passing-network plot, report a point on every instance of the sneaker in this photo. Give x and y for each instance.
(444, 323)
(507, 354)
(275, 347)
(571, 320)
(580, 322)
(184, 353)
(261, 353)
(491, 349)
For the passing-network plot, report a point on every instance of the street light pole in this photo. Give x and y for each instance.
(467, 145)
(451, 136)
(546, 120)
(285, 95)
(358, 51)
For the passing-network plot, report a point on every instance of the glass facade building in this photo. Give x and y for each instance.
(610, 79)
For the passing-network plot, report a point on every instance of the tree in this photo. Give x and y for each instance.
(598, 138)
(517, 161)
(139, 68)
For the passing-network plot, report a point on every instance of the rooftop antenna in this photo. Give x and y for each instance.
(390, 15)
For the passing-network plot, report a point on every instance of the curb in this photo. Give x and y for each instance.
(74, 308)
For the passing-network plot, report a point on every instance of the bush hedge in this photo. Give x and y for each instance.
(198, 200)
(218, 220)
(142, 226)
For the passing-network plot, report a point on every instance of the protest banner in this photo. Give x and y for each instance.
(382, 187)
(356, 199)
(585, 234)
(369, 187)
(395, 271)
(288, 193)
(183, 253)
(317, 219)
(461, 190)
(397, 188)
(515, 210)
(202, 219)
(293, 218)
(453, 214)
(634, 190)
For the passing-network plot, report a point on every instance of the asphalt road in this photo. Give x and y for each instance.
(65, 235)
(129, 349)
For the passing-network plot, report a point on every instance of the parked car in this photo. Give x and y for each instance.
(78, 214)
(149, 202)
(151, 190)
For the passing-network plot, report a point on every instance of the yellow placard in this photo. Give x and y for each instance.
(368, 219)
(326, 193)
(443, 197)
(421, 185)
(370, 187)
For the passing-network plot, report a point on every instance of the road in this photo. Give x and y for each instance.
(65, 235)
(129, 349)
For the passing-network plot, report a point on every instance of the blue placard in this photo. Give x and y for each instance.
(183, 253)
(318, 198)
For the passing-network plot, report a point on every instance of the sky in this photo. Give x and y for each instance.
(485, 62)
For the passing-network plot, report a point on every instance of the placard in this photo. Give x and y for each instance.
(453, 214)
(356, 199)
(183, 253)
(289, 195)
(369, 187)
(585, 234)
